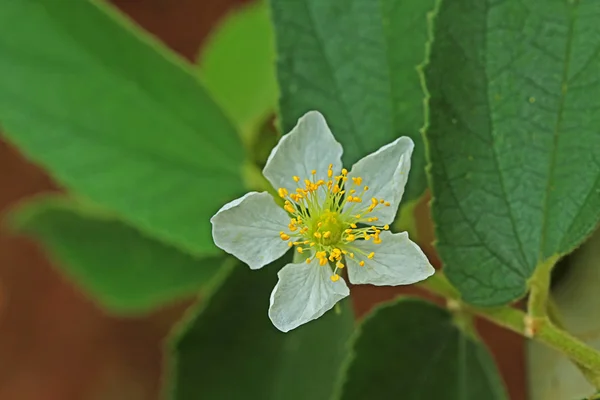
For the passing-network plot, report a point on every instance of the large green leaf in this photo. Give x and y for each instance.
(116, 118)
(231, 350)
(411, 349)
(237, 66)
(121, 268)
(356, 62)
(514, 138)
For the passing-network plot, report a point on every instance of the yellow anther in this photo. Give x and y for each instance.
(290, 244)
(387, 204)
(377, 240)
(351, 255)
(353, 226)
(352, 191)
(374, 200)
(318, 235)
(351, 238)
(335, 277)
(357, 199)
(362, 263)
(330, 166)
(282, 192)
(312, 244)
(386, 227)
(289, 208)
(336, 189)
(300, 249)
(284, 236)
(366, 188)
(327, 235)
(344, 171)
(307, 183)
(323, 261)
(357, 181)
(371, 255)
(308, 260)
(350, 199)
(357, 216)
(314, 171)
(348, 230)
(367, 236)
(319, 224)
(382, 201)
(339, 265)
(292, 227)
(320, 254)
(296, 178)
(329, 173)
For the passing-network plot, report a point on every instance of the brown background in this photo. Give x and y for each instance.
(55, 344)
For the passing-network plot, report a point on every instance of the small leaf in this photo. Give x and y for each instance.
(514, 139)
(356, 62)
(121, 268)
(237, 66)
(116, 118)
(231, 350)
(411, 349)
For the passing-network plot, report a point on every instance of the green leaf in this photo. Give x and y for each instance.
(121, 268)
(116, 118)
(231, 350)
(514, 138)
(357, 64)
(237, 67)
(411, 349)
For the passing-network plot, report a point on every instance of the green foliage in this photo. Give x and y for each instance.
(411, 349)
(121, 268)
(514, 138)
(230, 349)
(115, 117)
(357, 64)
(237, 67)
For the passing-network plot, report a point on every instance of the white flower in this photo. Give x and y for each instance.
(330, 215)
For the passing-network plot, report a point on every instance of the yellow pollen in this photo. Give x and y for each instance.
(362, 263)
(296, 178)
(329, 173)
(353, 226)
(351, 255)
(300, 249)
(322, 261)
(386, 227)
(387, 204)
(366, 188)
(282, 192)
(339, 265)
(377, 240)
(371, 255)
(344, 171)
(357, 216)
(348, 231)
(308, 260)
(351, 238)
(335, 277)
(314, 171)
(330, 166)
(284, 236)
(357, 181)
(318, 235)
(382, 201)
(326, 235)
(290, 244)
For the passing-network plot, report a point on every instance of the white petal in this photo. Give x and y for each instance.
(386, 173)
(304, 292)
(397, 261)
(249, 228)
(310, 145)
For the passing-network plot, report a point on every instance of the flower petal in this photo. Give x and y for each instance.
(304, 292)
(397, 261)
(385, 172)
(310, 145)
(249, 228)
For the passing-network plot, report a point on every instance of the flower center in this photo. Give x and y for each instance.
(326, 215)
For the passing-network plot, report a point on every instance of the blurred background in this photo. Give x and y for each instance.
(56, 344)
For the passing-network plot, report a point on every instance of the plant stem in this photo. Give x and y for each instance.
(515, 320)
(539, 284)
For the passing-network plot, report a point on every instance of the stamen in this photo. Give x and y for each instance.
(371, 255)
(362, 263)
(335, 277)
